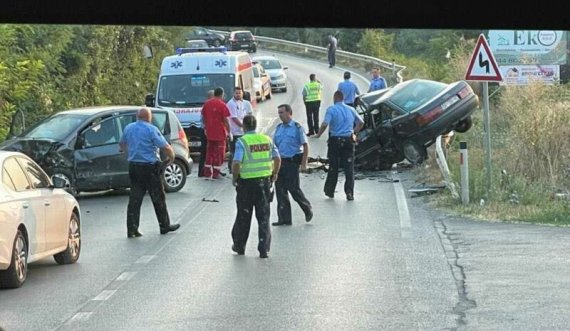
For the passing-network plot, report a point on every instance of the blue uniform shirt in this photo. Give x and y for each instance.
(377, 84)
(143, 141)
(240, 149)
(349, 90)
(341, 119)
(289, 138)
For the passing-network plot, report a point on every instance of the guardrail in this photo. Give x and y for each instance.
(352, 60)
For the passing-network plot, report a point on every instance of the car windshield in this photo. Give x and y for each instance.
(270, 64)
(410, 96)
(245, 35)
(191, 90)
(56, 127)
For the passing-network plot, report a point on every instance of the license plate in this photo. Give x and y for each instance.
(195, 144)
(449, 102)
(246, 45)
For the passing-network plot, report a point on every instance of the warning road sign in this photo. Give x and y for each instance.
(482, 66)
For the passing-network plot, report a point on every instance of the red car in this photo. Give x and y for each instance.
(402, 121)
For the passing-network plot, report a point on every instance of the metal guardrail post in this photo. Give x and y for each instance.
(442, 162)
(464, 167)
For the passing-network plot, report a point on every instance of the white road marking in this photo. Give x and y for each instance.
(81, 316)
(404, 213)
(145, 258)
(104, 295)
(125, 276)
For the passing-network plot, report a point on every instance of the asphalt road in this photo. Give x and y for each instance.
(382, 261)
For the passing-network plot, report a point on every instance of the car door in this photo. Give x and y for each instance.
(122, 177)
(97, 156)
(56, 223)
(30, 202)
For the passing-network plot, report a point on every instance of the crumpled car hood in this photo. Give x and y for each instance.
(43, 151)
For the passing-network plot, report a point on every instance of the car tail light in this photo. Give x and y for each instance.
(465, 92)
(429, 116)
(182, 136)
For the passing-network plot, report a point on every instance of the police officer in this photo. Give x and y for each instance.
(344, 123)
(291, 142)
(312, 99)
(142, 141)
(255, 167)
(378, 82)
(349, 89)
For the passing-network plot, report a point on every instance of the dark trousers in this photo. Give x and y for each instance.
(340, 152)
(313, 116)
(332, 56)
(203, 147)
(288, 182)
(252, 194)
(143, 178)
(232, 151)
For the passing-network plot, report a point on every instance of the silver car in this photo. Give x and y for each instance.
(37, 219)
(276, 71)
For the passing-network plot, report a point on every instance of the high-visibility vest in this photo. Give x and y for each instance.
(257, 161)
(313, 91)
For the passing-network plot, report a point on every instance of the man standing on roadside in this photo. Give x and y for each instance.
(215, 120)
(344, 123)
(255, 167)
(378, 82)
(291, 142)
(141, 141)
(331, 47)
(312, 99)
(348, 89)
(238, 109)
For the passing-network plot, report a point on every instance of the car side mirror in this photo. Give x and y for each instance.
(58, 182)
(149, 100)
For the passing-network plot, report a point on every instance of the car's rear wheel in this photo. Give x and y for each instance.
(71, 253)
(464, 125)
(174, 176)
(413, 152)
(16, 274)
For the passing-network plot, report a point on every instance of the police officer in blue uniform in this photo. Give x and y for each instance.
(344, 123)
(291, 141)
(255, 167)
(142, 141)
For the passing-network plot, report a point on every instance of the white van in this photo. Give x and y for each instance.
(186, 77)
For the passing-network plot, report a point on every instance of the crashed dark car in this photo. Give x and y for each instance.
(81, 146)
(402, 121)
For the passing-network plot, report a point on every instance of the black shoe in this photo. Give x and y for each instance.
(170, 228)
(238, 251)
(223, 174)
(309, 216)
(280, 223)
(331, 195)
(134, 234)
(349, 196)
(263, 255)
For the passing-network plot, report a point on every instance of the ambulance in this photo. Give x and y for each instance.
(185, 79)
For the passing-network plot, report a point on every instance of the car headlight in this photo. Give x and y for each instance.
(278, 77)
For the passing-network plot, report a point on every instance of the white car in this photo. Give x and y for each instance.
(261, 83)
(276, 71)
(37, 219)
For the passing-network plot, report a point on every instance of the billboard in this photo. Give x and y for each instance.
(540, 47)
(525, 74)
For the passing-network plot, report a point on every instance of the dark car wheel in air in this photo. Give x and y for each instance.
(464, 125)
(413, 152)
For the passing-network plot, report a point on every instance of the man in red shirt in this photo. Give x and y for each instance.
(215, 115)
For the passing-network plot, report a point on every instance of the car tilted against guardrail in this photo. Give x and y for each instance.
(401, 122)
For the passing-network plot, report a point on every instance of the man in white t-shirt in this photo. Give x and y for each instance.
(238, 109)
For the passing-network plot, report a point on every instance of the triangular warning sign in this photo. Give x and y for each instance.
(482, 66)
